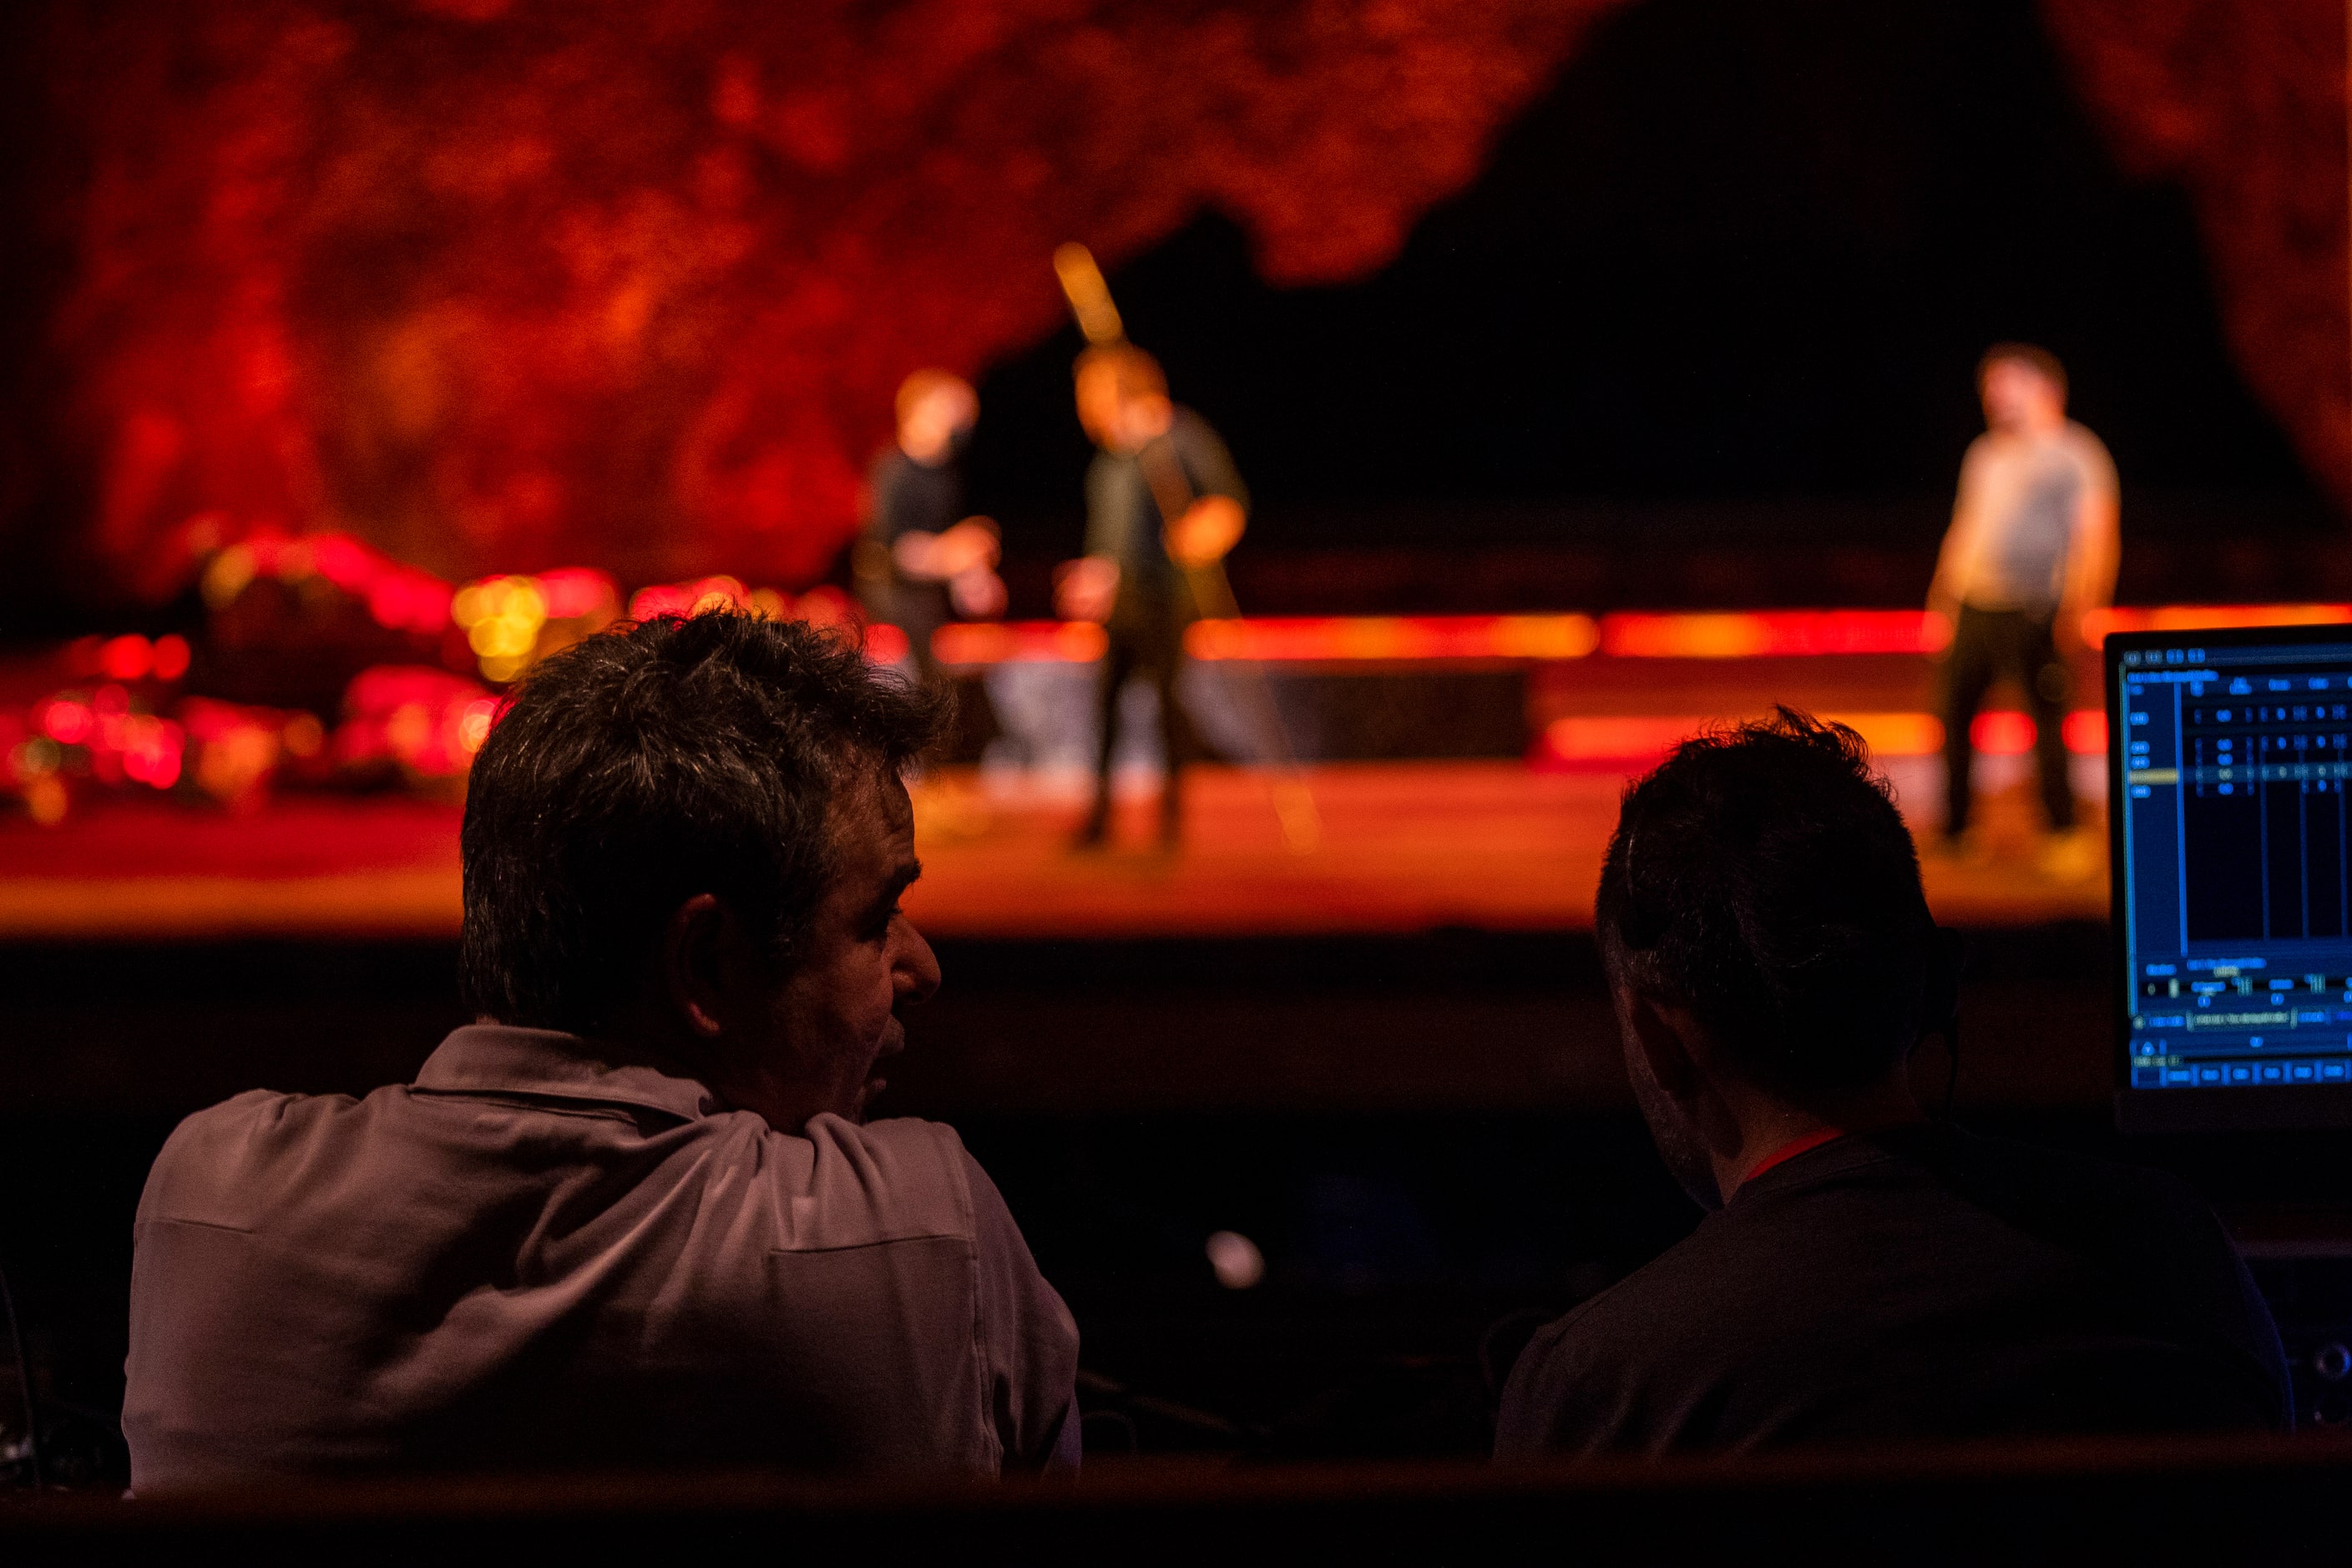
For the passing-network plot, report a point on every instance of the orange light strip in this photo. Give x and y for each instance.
(1019, 642)
(1783, 634)
(2098, 624)
(1345, 638)
(1774, 633)
(1581, 740)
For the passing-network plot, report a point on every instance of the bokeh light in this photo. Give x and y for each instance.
(1236, 1260)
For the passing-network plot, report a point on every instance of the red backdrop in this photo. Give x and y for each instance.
(499, 284)
(2243, 103)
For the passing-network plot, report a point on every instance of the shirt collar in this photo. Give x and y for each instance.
(1791, 1149)
(1919, 1142)
(497, 1058)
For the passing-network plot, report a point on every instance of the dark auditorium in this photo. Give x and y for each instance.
(1160, 780)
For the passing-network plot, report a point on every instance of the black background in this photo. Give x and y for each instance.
(1741, 251)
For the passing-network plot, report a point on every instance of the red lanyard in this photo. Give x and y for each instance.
(1791, 1149)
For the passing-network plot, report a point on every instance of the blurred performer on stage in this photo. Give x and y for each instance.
(2033, 545)
(1163, 500)
(921, 563)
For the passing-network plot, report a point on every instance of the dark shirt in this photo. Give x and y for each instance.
(1124, 523)
(908, 497)
(905, 497)
(1913, 1285)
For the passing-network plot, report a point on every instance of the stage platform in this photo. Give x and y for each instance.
(1465, 770)
(1431, 948)
(1405, 847)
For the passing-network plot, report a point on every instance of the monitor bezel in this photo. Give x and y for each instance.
(2272, 1108)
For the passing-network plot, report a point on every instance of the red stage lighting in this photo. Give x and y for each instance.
(497, 285)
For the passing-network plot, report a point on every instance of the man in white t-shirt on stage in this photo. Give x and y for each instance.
(2033, 545)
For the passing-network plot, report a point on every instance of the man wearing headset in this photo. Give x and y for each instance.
(1864, 1274)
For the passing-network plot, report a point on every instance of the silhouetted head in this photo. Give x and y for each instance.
(1762, 889)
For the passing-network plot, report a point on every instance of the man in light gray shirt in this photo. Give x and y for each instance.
(636, 1215)
(2033, 546)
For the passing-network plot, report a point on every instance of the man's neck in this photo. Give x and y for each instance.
(1769, 1125)
(2033, 429)
(1137, 433)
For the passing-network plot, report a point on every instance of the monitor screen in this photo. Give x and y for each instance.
(2228, 757)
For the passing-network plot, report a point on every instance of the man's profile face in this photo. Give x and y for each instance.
(2019, 397)
(838, 1018)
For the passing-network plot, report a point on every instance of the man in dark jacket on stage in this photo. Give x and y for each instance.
(1866, 1275)
(919, 562)
(1164, 503)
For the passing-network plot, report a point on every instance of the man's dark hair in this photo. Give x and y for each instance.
(651, 763)
(2040, 360)
(1762, 879)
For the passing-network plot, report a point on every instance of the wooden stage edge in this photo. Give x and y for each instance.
(1404, 848)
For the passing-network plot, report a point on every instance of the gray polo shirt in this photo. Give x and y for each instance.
(540, 1254)
(2019, 508)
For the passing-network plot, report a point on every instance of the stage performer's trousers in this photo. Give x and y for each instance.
(1986, 645)
(1144, 644)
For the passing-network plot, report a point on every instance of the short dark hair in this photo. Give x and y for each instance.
(647, 764)
(2040, 360)
(1762, 877)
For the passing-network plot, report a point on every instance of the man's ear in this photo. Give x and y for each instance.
(692, 964)
(1654, 1033)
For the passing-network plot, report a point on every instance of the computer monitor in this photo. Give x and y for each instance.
(2229, 756)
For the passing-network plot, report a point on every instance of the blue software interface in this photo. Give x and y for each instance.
(2233, 894)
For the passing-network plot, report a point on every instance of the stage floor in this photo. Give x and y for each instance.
(1404, 848)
